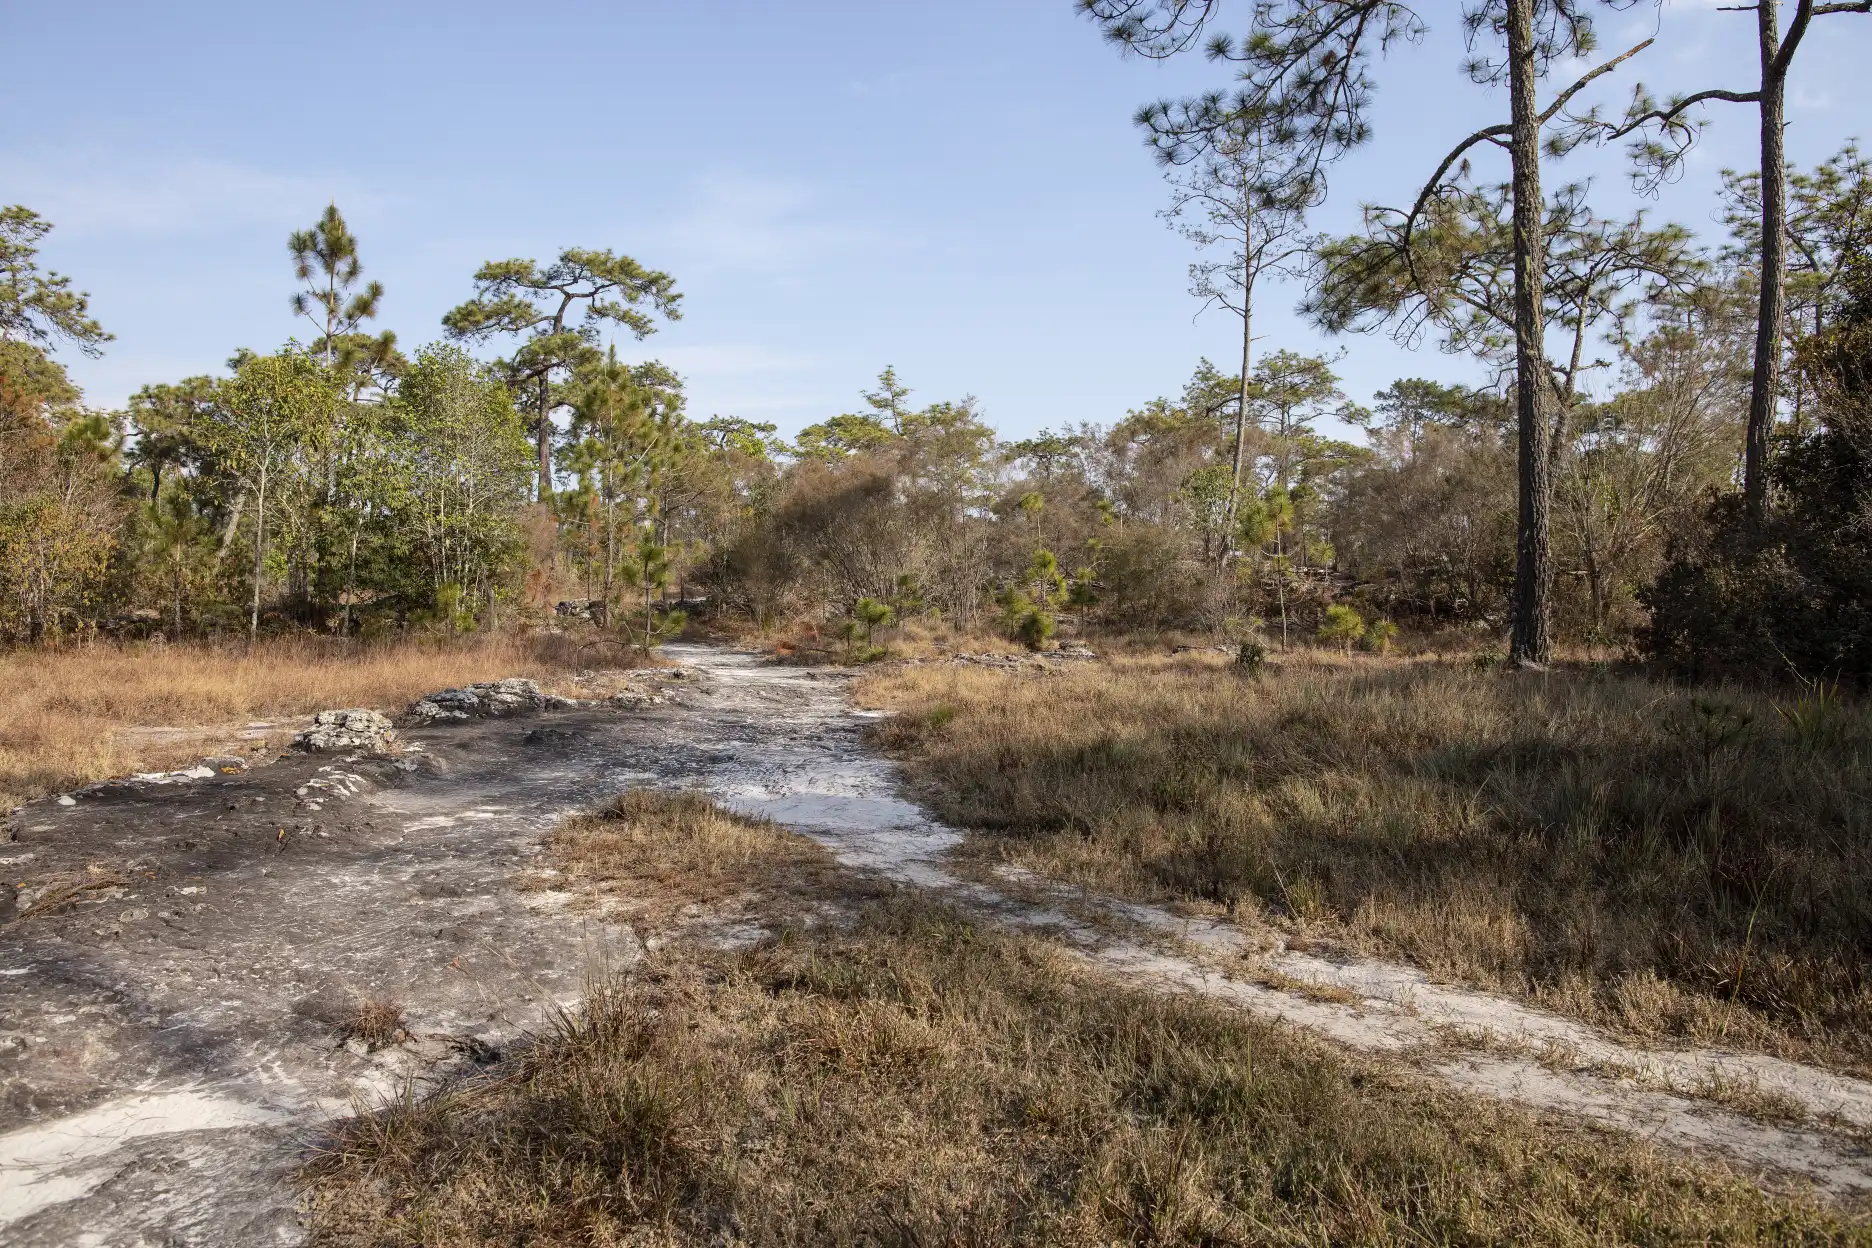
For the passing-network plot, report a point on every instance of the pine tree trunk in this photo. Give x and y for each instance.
(543, 432)
(1765, 386)
(1241, 414)
(1529, 641)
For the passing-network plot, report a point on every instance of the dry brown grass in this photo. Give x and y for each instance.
(377, 1021)
(1678, 863)
(51, 893)
(666, 850)
(818, 641)
(64, 713)
(918, 1081)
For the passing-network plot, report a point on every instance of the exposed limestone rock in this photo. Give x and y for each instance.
(347, 731)
(495, 698)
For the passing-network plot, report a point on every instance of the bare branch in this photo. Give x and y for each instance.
(1667, 115)
(1561, 99)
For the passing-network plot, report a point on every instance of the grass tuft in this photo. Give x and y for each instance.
(671, 849)
(377, 1021)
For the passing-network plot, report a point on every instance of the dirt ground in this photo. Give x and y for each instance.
(173, 1037)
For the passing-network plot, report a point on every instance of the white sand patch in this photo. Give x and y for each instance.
(61, 1160)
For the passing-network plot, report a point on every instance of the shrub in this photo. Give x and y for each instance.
(1379, 634)
(1342, 627)
(1794, 591)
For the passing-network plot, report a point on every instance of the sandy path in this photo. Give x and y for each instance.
(168, 1048)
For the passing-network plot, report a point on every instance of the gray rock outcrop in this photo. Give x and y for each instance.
(347, 731)
(494, 698)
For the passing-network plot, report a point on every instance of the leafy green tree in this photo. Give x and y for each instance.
(1289, 392)
(162, 419)
(841, 436)
(753, 439)
(465, 453)
(867, 616)
(370, 482)
(521, 297)
(647, 569)
(1028, 605)
(1049, 454)
(1205, 495)
(1379, 636)
(1032, 505)
(36, 306)
(175, 530)
(1410, 405)
(274, 410)
(907, 600)
(626, 432)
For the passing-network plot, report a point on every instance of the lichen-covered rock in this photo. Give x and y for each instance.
(500, 697)
(347, 731)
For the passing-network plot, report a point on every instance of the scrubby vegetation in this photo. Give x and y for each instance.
(919, 1080)
(664, 850)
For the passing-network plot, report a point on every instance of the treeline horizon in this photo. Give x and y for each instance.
(1672, 459)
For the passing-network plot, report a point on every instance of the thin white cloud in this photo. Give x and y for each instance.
(739, 220)
(95, 192)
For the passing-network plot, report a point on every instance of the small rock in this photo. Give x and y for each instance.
(345, 731)
(465, 701)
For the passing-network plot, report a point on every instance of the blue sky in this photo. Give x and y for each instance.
(954, 188)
